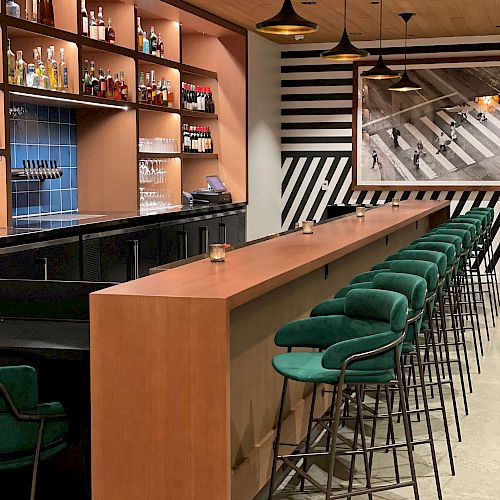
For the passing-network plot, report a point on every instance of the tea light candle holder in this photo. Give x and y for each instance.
(217, 253)
(307, 227)
(360, 211)
(395, 202)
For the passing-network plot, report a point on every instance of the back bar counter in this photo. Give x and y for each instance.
(184, 396)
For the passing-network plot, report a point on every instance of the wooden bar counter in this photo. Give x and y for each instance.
(184, 397)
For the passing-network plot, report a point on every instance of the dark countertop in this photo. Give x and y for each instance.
(42, 228)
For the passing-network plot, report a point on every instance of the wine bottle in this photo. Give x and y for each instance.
(124, 87)
(101, 26)
(85, 20)
(160, 52)
(49, 20)
(110, 33)
(140, 35)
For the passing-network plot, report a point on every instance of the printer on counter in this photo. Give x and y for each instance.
(215, 193)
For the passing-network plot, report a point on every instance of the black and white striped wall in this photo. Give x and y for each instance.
(316, 123)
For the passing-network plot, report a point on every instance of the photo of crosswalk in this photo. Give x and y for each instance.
(448, 133)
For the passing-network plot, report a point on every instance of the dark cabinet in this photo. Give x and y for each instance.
(201, 234)
(123, 254)
(173, 243)
(232, 229)
(54, 260)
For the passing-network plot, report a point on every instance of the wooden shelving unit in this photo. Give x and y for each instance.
(108, 130)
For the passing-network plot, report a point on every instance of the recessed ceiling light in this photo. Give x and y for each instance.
(355, 33)
(309, 3)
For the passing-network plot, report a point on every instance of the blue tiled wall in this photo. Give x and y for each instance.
(44, 133)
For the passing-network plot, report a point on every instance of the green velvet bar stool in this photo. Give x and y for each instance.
(362, 347)
(29, 431)
(469, 286)
(400, 278)
(486, 257)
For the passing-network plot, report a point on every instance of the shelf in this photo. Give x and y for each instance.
(152, 156)
(193, 70)
(30, 95)
(147, 58)
(16, 24)
(199, 156)
(160, 109)
(106, 47)
(199, 114)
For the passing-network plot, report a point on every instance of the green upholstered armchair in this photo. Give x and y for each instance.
(29, 431)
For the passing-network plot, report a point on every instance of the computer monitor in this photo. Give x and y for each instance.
(215, 183)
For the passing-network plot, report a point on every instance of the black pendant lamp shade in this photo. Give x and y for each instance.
(405, 84)
(345, 50)
(380, 71)
(287, 22)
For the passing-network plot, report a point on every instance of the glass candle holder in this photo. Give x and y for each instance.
(360, 211)
(307, 227)
(218, 253)
(395, 202)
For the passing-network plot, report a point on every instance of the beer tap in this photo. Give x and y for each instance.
(26, 173)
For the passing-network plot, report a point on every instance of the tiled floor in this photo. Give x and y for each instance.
(477, 457)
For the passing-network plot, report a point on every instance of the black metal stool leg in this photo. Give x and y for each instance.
(308, 436)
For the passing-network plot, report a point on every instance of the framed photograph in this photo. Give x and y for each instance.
(446, 135)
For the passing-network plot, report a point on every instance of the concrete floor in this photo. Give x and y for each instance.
(477, 457)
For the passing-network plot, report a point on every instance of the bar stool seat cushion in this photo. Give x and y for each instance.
(307, 367)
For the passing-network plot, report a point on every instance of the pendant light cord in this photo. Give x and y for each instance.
(406, 41)
(345, 15)
(381, 27)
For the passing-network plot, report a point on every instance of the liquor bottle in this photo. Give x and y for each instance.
(142, 88)
(30, 75)
(123, 87)
(200, 98)
(186, 141)
(110, 33)
(37, 80)
(48, 67)
(93, 28)
(110, 86)
(85, 20)
(34, 10)
(49, 14)
(102, 84)
(54, 70)
(96, 85)
(160, 52)
(140, 35)
(41, 8)
(21, 69)
(210, 148)
(13, 9)
(87, 82)
(164, 92)
(149, 89)
(45, 78)
(63, 73)
(101, 26)
(11, 58)
(211, 101)
(170, 94)
(154, 87)
(145, 45)
(37, 56)
(153, 42)
(117, 88)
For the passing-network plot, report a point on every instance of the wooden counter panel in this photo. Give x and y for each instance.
(257, 269)
(160, 397)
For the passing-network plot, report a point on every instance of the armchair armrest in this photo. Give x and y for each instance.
(30, 416)
(339, 356)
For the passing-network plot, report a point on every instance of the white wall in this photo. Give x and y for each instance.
(264, 137)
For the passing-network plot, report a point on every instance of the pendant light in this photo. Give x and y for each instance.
(345, 50)
(287, 22)
(380, 71)
(405, 84)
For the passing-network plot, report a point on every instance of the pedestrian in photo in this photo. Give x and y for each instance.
(420, 148)
(375, 159)
(453, 131)
(463, 112)
(416, 158)
(481, 117)
(395, 136)
(442, 143)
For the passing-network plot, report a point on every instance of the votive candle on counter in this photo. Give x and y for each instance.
(360, 211)
(395, 202)
(218, 253)
(307, 227)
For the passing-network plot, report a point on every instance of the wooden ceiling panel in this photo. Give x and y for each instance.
(435, 18)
